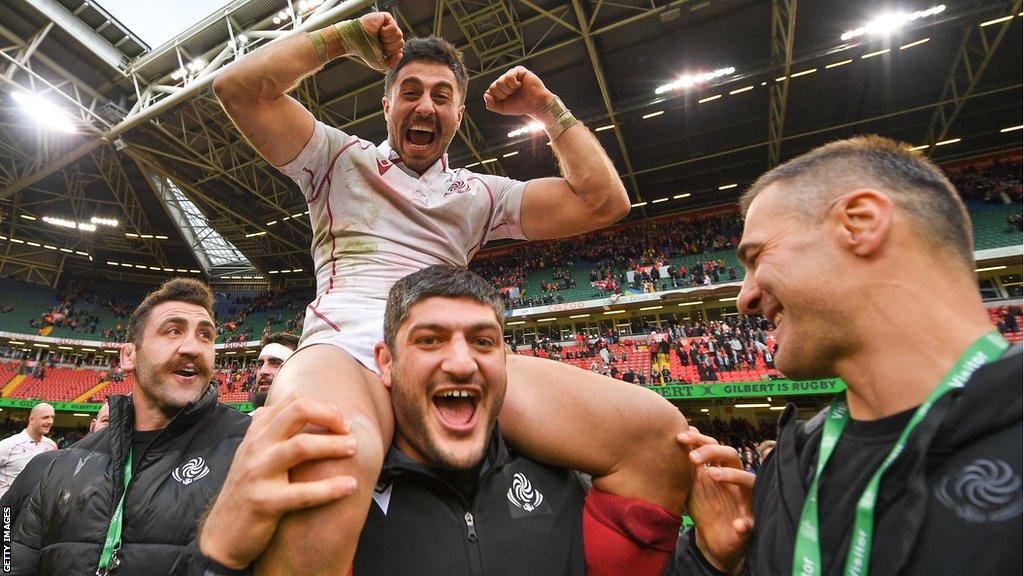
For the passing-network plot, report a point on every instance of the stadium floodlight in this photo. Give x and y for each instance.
(86, 227)
(44, 112)
(531, 128)
(59, 222)
(691, 80)
(887, 23)
(196, 65)
(113, 223)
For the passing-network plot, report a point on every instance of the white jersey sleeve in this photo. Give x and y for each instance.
(508, 200)
(312, 168)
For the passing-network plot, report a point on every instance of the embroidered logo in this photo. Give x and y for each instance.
(81, 462)
(982, 491)
(457, 187)
(382, 496)
(522, 495)
(191, 471)
(383, 166)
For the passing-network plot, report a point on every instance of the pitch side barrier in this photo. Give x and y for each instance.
(670, 392)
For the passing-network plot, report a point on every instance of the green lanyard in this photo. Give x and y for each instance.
(108, 559)
(807, 552)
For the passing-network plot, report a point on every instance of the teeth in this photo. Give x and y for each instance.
(458, 394)
(777, 318)
(422, 128)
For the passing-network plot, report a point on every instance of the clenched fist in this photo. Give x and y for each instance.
(382, 26)
(517, 92)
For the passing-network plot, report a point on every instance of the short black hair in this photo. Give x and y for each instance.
(174, 290)
(431, 49)
(915, 184)
(286, 339)
(439, 280)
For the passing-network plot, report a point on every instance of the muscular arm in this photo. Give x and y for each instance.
(589, 195)
(254, 90)
(623, 434)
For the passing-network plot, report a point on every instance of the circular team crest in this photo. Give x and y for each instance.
(982, 491)
(191, 471)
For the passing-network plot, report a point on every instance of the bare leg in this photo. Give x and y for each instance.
(323, 540)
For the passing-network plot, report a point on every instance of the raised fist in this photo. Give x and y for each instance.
(517, 92)
(382, 26)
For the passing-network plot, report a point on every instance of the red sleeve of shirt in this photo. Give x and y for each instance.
(627, 535)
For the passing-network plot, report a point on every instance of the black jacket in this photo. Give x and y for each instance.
(950, 504)
(526, 518)
(63, 528)
(16, 497)
(925, 522)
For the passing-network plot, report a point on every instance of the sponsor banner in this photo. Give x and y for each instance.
(598, 303)
(58, 406)
(102, 344)
(749, 389)
(87, 407)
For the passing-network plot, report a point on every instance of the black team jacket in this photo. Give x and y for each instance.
(950, 504)
(62, 530)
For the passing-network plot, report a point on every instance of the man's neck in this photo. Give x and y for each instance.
(147, 415)
(34, 435)
(900, 363)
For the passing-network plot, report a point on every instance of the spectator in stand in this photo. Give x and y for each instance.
(16, 451)
(1010, 318)
(274, 350)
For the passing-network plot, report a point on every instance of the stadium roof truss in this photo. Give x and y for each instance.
(150, 129)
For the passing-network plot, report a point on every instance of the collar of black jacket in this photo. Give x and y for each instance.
(397, 462)
(122, 423)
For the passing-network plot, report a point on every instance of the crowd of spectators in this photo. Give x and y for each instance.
(996, 182)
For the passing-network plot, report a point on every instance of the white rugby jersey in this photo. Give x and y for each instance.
(15, 452)
(375, 221)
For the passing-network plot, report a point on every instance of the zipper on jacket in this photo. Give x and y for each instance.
(470, 528)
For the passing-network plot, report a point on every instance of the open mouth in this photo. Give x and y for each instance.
(457, 408)
(777, 316)
(186, 372)
(420, 135)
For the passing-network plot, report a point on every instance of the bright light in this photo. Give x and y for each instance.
(196, 65)
(27, 216)
(873, 54)
(653, 114)
(777, 408)
(733, 299)
(990, 268)
(759, 405)
(603, 128)
(727, 186)
(614, 312)
(45, 112)
(886, 24)
(837, 64)
(59, 222)
(638, 204)
(740, 90)
(950, 141)
(912, 44)
(254, 234)
(532, 127)
(804, 73)
(690, 80)
(104, 221)
(916, 148)
(659, 200)
(580, 316)
(510, 154)
(547, 319)
(996, 21)
(651, 308)
(1012, 128)
(678, 196)
(709, 99)
(516, 323)
(87, 227)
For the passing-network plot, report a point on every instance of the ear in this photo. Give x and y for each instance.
(458, 116)
(128, 356)
(863, 220)
(386, 104)
(383, 359)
